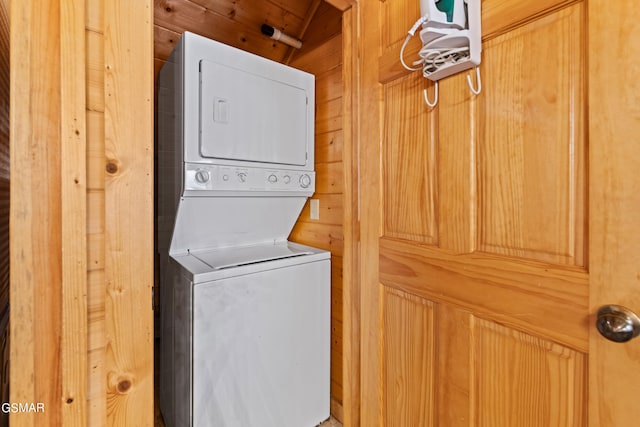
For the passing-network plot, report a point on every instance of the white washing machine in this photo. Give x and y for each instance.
(245, 334)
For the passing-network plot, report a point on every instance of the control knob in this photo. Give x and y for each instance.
(272, 179)
(305, 181)
(202, 176)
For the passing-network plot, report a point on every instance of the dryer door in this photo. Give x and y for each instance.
(249, 117)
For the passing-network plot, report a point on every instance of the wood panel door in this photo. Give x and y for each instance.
(494, 226)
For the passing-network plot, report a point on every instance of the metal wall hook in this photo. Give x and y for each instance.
(474, 90)
(426, 97)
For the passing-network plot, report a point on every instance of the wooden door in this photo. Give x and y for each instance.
(494, 226)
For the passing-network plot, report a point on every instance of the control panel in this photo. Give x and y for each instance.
(200, 177)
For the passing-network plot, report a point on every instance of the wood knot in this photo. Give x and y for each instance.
(124, 386)
(69, 400)
(112, 168)
(120, 382)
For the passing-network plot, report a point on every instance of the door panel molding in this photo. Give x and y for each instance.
(408, 351)
(527, 295)
(526, 380)
(532, 148)
(409, 164)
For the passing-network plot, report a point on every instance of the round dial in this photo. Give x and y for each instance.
(272, 178)
(202, 176)
(305, 181)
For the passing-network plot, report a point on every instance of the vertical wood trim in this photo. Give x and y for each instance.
(48, 212)
(74, 213)
(408, 359)
(96, 284)
(454, 367)
(4, 202)
(21, 383)
(370, 206)
(4, 161)
(457, 165)
(614, 124)
(350, 263)
(35, 211)
(128, 49)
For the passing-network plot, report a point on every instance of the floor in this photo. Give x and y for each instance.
(331, 422)
(158, 422)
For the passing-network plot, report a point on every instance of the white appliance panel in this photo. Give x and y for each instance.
(192, 51)
(250, 259)
(247, 255)
(219, 222)
(241, 325)
(244, 116)
(201, 180)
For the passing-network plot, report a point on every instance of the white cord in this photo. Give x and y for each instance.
(435, 58)
(410, 34)
(402, 54)
(431, 59)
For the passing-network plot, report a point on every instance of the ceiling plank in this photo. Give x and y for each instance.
(311, 13)
(185, 15)
(341, 4)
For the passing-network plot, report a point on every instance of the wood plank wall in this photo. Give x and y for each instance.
(4, 203)
(82, 211)
(120, 212)
(325, 61)
(35, 213)
(4, 154)
(96, 295)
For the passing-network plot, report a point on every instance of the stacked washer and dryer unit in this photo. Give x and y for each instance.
(245, 314)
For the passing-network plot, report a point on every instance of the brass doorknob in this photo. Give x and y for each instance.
(617, 323)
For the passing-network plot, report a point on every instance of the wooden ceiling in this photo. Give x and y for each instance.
(237, 23)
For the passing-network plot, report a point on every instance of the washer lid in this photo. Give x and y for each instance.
(223, 258)
(207, 265)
